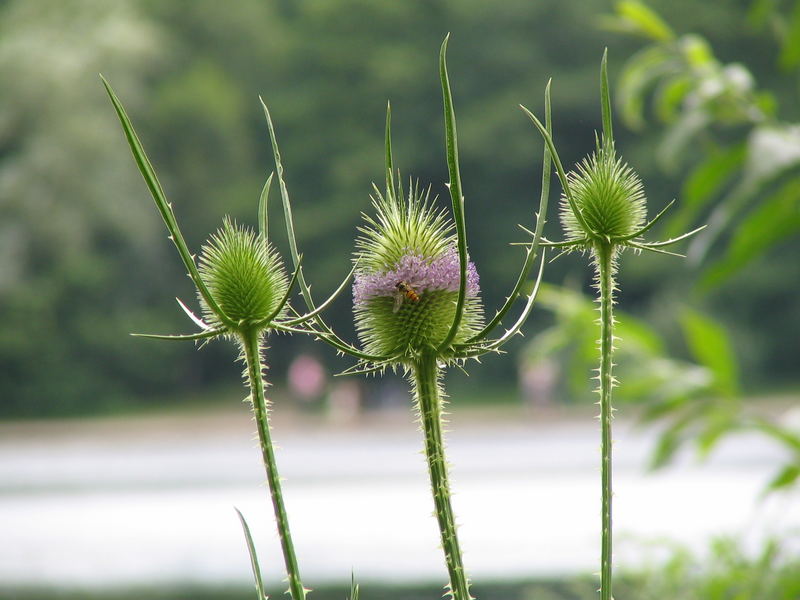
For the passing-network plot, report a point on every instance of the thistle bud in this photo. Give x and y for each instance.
(609, 196)
(244, 275)
(407, 278)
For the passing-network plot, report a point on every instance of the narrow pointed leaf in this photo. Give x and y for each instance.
(390, 189)
(305, 291)
(605, 99)
(251, 549)
(354, 590)
(541, 217)
(149, 174)
(287, 210)
(562, 176)
(456, 196)
(263, 202)
(494, 345)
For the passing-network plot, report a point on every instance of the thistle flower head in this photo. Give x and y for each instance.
(408, 276)
(244, 275)
(609, 196)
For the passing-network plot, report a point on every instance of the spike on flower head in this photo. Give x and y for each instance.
(407, 277)
(609, 196)
(243, 273)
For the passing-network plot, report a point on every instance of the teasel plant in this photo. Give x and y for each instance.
(603, 212)
(417, 303)
(243, 291)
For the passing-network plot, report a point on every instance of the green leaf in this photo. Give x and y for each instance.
(251, 549)
(164, 207)
(786, 477)
(646, 20)
(605, 99)
(790, 52)
(760, 12)
(456, 195)
(697, 51)
(263, 202)
(710, 345)
(775, 219)
(669, 96)
(706, 181)
(354, 587)
(541, 217)
(639, 334)
(639, 74)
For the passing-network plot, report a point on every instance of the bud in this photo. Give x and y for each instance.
(609, 196)
(244, 275)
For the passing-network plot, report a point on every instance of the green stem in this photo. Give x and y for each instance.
(605, 258)
(252, 352)
(426, 375)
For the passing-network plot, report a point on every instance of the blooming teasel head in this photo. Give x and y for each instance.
(415, 289)
(407, 278)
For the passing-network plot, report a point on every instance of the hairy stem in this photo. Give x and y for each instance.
(252, 352)
(426, 374)
(605, 258)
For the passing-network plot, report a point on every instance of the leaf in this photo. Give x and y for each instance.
(456, 195)
(638, 75)
(786, 477)
(354, 587)
(697, 51)
(638, 333)
(669, 96)
(790, 52)
(710, 345)
(251, 549)
(777, 218)
(645, 20)
(164, 207)
(706, 181)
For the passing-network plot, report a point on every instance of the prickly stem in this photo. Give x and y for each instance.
(426, 374)
(604, 262)
(252, 352)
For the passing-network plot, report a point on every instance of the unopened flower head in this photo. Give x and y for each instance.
(408, 276)
(609, 196)
(244, 275)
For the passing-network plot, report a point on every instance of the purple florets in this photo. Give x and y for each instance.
(422, 274)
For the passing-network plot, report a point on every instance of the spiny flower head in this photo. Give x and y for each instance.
(407, 278)
(244, 275)
(609, 196)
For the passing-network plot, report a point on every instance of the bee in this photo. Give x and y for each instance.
(404, 290)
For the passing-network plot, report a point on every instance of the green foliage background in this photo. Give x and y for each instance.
(83, 256)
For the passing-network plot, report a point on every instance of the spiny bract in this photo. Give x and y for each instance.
(609, 195)
(407, 278)
(243, 273)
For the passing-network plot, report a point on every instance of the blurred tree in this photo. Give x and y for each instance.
(70, 236)
(191, 71)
